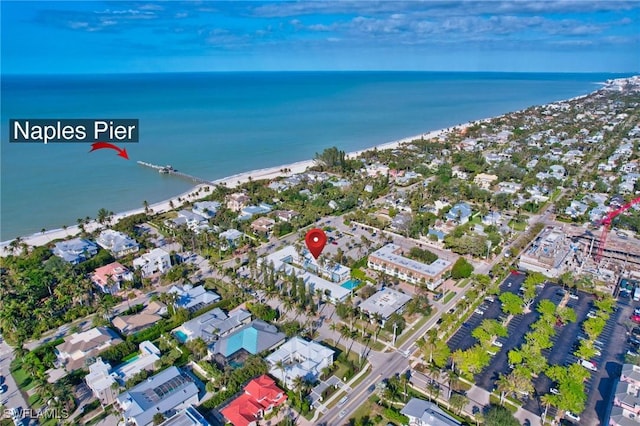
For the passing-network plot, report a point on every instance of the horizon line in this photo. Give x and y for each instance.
(239, 71)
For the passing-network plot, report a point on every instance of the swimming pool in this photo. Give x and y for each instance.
(351, 284)
(181, 336)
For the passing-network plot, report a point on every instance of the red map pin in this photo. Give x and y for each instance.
(316, 239)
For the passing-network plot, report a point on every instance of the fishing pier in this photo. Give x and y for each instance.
(169, 170)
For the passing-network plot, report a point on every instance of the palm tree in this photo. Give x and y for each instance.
(458, 401)
(299, 384)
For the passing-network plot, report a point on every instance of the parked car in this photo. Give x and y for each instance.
(635, 318)
(554, 391)
(497, 343)
(573, 417)
(589, 365)
(574, 296)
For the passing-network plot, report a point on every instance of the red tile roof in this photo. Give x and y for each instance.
(243, 411)
(260, 393)
(265, 391)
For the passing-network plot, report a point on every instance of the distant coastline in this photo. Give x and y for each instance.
(235, 122)
(198, 191)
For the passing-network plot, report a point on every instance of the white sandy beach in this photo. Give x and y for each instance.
(39, 239)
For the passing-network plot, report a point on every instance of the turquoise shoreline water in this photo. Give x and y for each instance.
(214, 125)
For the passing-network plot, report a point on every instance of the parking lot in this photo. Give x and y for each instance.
(612, 343)
(463, 339)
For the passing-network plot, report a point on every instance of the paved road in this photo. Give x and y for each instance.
(12, 398)
(388, 365)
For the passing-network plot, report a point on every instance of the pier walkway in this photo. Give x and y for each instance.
(171, 171)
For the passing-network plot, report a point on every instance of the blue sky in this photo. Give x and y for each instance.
(123, 36)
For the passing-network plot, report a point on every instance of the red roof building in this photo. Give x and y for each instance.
(260, 396)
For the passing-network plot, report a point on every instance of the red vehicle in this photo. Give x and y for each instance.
(635, 318)
(515, 272)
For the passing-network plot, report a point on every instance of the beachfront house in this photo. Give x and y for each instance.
(236, 202)
(157, 261)
(206, 209)
(76, 250)
(109, 278)
(117, 243)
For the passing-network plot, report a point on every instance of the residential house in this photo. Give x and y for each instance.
(557, 171)
(154, 262)
(101, 382)
(188, 416)
(377, 169)
(426, 413)
(484, 180)
(206, 209)
(260, 396)
(109, 278)
(389, 259)
(509, 187)
(231, 236)
(459, 213)
(460, 174)
(385, 303)
(166, 392)
(102, 377)
(79, 347)
(189, 219)
(237, 201)
(299, 358)
(576, 209)
(249, 211)
(285, 215)
(263, 225)
(76, 250)
(253, 338)
(151, 314)
(401, 222)
(193, 298)
(492, 218)
(117, 243)
(212, 325)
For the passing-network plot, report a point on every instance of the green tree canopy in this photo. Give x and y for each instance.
(461, 269)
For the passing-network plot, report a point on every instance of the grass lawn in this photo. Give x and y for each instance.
(409, 332)
(22, 378)
(517, 226)
(449, 296)
(462, 283)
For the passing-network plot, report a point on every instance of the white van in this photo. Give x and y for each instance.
(589, 365)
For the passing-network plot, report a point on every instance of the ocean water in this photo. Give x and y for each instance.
(214, 125)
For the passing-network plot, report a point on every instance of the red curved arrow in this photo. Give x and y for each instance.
(101, 145)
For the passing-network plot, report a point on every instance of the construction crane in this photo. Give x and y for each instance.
(606, 225)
